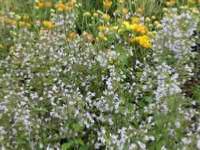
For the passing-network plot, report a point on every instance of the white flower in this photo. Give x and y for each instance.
(198, 144)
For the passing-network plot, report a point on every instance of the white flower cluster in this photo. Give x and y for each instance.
(167, 81)
(176, 33)
(54, 91)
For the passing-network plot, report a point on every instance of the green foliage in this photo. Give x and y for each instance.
(72, 85)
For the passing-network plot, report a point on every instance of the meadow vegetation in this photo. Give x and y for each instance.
(100, 74)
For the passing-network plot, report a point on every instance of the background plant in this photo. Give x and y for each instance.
(98, 75)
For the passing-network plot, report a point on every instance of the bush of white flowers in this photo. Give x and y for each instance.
(76, 94)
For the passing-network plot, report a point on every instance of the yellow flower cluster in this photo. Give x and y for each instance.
(143, 40)
(43, 4)
(135, 27)
(102, 28)
(105, 17)
(121, 1)
(20, 22)
(88, 37)
(193, 1)
(101, 37)
(60, 6)
(24, 24)
(1, 46)
(170, 2)
(71, 36)
(10, 21)
(48, 24)
(107, 4)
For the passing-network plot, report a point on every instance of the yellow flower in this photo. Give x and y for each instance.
(95, 14)
(114, 28)
(68, 8)
(48, 4)
(86, 13)
(140, 28)
(102, 28)
(195, 10)
(71, 36)
(60, 6)
(88, 36)
(102, 37)
(70, 5)
(10, 21)
(152, 34)
(106, 17)
(171, 2)
(24, 24)
(39, 5)
(143, 41)
(48, 24)
(107, 4)
(125, 11)
(135, 20)
(140, 10)
(147, 19)
(121, 1)
(157, 24)
(1, 46)
(153, 17)
(127, 25)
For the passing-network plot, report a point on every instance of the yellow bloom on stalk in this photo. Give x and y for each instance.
(1, 46)
(191, 1)
(106, 17)
(135, 20)
(70, 5)
(102, 28)
(140, 28)
(140, 10)
(157, 24)
(95, 14)
(71, 36)
(48, 24)
(125, 11)
(121, 1)
(10, 21)
(195, 10)
(147, 19)
(48, 4)
(153, 17)
(143, 41)
(2, 18)
(88, 36)
(60, 6)
(24, 24)
(102, 37)
(114, 28)
(87, 13)
(171, 2)
(39, 5)
(152, 34)
(127, 25)
(107, 4)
